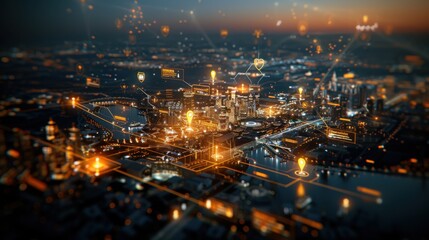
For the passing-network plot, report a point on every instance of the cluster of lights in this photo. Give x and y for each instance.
(367, 28)
(134, 20)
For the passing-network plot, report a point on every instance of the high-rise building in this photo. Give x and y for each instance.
(51, 130)
(55, 153)
(380, 105)
(333, 82)
(74, 141)
(188, 101)
(362, 94)
(223, 122)
(370, 105)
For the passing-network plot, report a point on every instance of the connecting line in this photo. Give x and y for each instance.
(197, 24)
(314, 179)
(104, 108)
(148, 97)
(163, 188)
(142, 148)
(125, 151)
(334, 64)
(262, 76)
(271, 170)
(245, 73)
(187, 83)
(109, 111)
(322, 119)
(95, 115)
(82, 106)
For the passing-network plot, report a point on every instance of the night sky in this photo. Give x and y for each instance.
(26, 21)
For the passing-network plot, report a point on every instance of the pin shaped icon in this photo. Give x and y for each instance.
(189, 117)
(301, 164)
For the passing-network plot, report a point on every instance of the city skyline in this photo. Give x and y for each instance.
(222, 119)
(80, 19)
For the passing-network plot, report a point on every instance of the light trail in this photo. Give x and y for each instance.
(334, 64)
(198, 26)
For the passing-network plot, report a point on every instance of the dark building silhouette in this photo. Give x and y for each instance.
(380, 105)
(370, 105)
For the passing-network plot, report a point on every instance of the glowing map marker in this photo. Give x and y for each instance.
(346, 203)
(189, 117)
(301, 172)
(213, 75)
(175, 214)
(301, 163)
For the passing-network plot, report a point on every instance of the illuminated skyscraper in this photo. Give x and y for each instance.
(74, 141)
(333, 82)
(55, 154)
(188, 101)
(51, 130)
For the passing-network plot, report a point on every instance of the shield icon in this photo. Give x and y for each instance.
(259, 63)
(141, 76)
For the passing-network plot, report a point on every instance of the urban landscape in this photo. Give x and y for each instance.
(196, 120)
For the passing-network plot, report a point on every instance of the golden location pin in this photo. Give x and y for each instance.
(213, 75)
(189, 116)
(259, 63)
(165, 30)
(365, 18)
(223, 33)
(301, 163)
(346, 203)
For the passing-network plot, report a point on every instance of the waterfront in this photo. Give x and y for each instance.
(398, 193)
